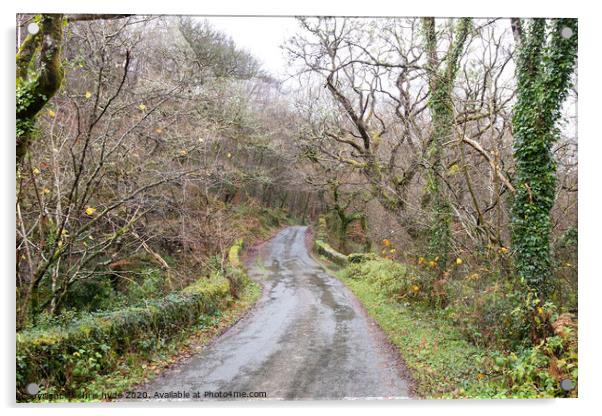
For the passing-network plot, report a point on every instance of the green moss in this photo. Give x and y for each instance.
(330, 253)
(234, 253)
(36, 86)
(50, 356)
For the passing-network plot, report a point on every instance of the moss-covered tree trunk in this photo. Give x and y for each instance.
(40, 71)
(39, 76)
(344, 220)
(546, 58)
(441, 81)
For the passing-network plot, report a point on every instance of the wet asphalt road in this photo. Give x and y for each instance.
(307, 338)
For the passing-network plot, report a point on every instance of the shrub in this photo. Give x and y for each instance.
(393, 279)
(492, 313)
(536, 371)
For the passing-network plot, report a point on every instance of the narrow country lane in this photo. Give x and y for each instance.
(307, 338)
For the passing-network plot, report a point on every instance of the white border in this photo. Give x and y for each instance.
(590, 151)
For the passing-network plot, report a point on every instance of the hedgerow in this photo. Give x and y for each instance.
(63, 359)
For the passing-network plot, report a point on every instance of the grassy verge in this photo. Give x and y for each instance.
(441, 362)
(99, 356)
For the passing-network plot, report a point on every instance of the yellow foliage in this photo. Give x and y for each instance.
(90, 211)
(454, 169)
(36, 171)
(142, 107)
(51, 113)
(459, 261)
(386, 242)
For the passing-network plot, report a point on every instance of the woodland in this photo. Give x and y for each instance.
(435, 161)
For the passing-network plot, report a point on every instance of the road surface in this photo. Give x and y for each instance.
(307, 338)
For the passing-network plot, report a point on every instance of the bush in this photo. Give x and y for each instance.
(393, 279)
(490, 313)
(91, 295)
(536, 371)
(151, 284)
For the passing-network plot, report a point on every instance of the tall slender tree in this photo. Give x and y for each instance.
(441, 81)
(547, 51)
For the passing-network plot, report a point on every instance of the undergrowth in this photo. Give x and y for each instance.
(440, 349)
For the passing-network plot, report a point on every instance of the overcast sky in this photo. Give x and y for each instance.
(261, 36)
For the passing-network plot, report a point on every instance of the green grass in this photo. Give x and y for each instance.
(442, 363)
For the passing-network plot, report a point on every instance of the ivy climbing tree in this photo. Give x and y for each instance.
(547, 51)
(441, 81)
